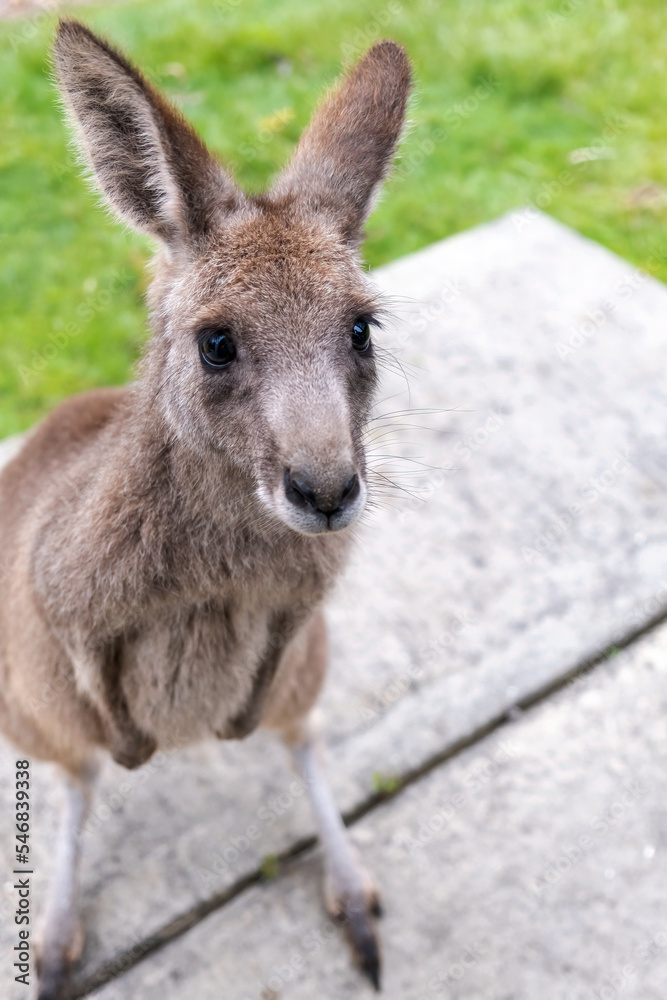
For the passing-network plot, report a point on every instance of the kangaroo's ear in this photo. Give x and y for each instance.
(348, 148)
(153, 169)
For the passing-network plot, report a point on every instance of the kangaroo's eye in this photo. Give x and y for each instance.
(361, 335)
(217, 348)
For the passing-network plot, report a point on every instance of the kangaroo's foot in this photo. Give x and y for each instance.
(60, 940)
(350, 894)
(352, 900)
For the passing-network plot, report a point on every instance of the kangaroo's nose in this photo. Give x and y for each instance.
(303, 491)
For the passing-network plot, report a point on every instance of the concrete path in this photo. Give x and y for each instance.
(531, 866)
(535, 545)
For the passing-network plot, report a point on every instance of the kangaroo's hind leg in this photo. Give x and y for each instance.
(349, 891)
(350, 894)
(61, 936)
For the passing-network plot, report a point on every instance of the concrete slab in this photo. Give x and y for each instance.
(533, 865)
(9, 447)
(541, 545)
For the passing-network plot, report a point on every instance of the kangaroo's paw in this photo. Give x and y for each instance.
(132, 748)
(54, 963)
(355, 908)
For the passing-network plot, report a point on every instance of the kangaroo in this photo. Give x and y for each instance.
(169, 544)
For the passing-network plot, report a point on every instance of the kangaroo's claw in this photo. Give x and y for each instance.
(365, 942)
(356, 912)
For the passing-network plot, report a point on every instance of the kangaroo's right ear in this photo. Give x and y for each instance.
(152, 167)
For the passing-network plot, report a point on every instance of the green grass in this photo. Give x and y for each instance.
(555, 77)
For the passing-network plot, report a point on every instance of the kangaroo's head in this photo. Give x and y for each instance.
(263, 317)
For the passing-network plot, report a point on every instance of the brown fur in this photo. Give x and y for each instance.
(168, 545)
(156, 582)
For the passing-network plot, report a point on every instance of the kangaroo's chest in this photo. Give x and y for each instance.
(203, 669)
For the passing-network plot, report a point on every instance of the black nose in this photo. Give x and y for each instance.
(303, 492)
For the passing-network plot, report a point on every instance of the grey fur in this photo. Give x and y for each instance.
(159, 577)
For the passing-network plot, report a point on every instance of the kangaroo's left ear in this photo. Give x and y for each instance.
(348, 148)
